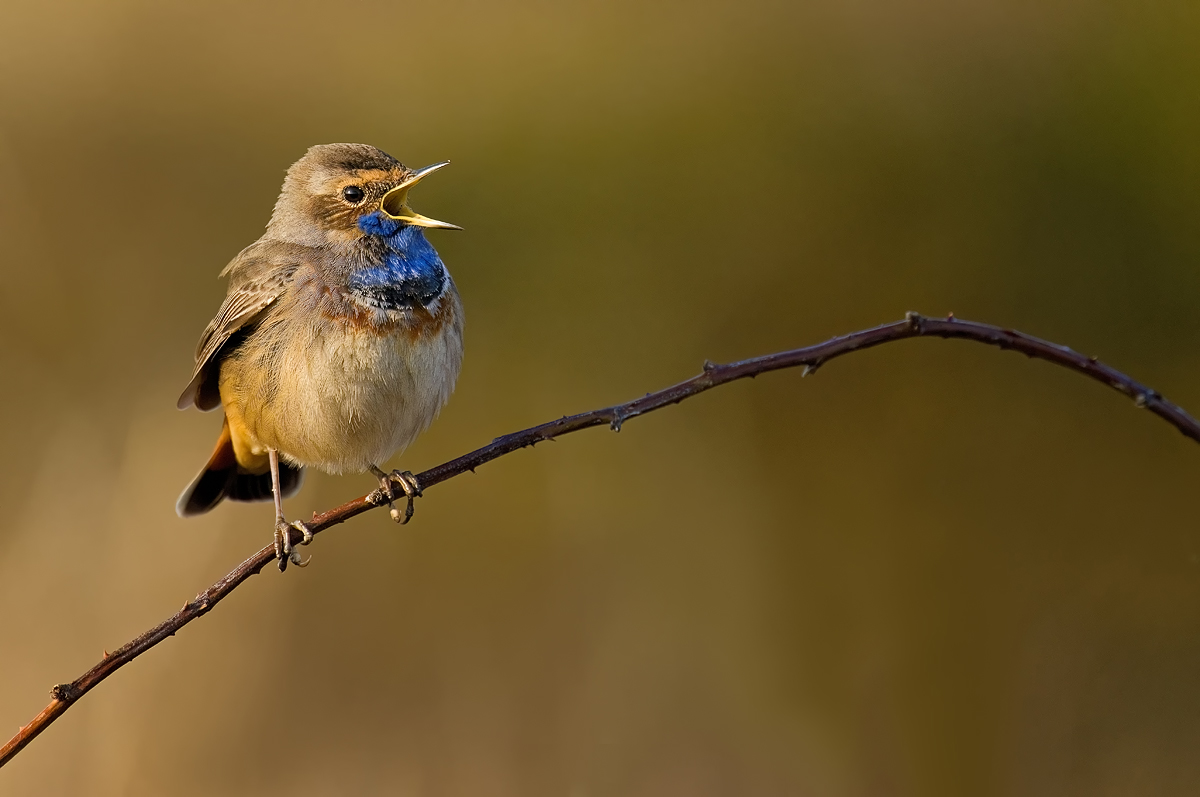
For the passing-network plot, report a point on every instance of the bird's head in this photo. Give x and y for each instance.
(338, 193)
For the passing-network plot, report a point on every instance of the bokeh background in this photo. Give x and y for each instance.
(931, 569)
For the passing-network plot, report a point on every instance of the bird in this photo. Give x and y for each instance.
(337, 344)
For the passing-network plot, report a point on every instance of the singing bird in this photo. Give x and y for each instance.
(340, 338)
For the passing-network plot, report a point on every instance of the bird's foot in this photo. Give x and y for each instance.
(284, 552)
(387, 486)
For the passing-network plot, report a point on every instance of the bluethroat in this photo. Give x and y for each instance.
(339, 340)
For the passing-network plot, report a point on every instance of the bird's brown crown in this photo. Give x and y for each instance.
(328, 190)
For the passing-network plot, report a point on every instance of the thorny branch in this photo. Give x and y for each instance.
(811, 357)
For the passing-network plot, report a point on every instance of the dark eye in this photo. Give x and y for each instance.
(353, 194)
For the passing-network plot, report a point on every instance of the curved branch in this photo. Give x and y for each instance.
(811, 357)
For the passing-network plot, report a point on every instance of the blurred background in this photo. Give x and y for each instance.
(931, 569)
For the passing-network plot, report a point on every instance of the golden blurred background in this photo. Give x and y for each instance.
(931, 569)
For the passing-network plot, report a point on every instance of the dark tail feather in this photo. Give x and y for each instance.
(257, 486)
(205, 492)
(222, 478)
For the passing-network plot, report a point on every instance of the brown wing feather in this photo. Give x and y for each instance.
(257, 277)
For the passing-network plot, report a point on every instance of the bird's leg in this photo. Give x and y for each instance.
(408, 483)
(283, 537)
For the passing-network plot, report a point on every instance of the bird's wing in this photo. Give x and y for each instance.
(257, 277)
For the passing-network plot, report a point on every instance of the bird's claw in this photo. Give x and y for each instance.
(408, 483)
(284, 552)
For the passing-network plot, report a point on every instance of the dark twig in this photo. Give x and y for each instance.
(812, 357)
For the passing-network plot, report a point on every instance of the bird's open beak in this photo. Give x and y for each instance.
(395, 202)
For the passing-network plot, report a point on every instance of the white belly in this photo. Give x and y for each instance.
(349, 398)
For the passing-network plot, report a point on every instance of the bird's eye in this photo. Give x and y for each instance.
(353, 194)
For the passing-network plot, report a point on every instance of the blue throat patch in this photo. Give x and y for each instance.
(408, 272)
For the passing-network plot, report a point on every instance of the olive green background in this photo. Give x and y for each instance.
(932, 568)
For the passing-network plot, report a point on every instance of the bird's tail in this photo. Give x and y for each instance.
(223, 478)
